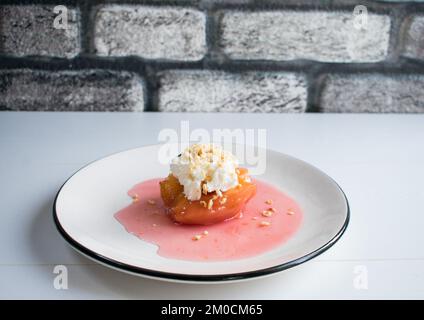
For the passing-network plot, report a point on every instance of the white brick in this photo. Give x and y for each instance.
(85, 90)
(373, 93)
(150, 32)
(28, 30)
(414, 38)
(217, 91)
(312, 35)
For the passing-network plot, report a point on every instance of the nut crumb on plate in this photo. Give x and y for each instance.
(267, 213)
(264, 224)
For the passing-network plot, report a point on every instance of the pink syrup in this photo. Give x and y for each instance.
(241, 237)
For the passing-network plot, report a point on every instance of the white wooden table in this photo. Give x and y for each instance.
(377, 159)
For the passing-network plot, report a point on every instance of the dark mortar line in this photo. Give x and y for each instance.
(411, 63)
(41, 2)
(256, 5)
(81, 62)
(394, 51)
(313, 91)
(319, 79)
(151, 94)
(372, 6)
(211, 31)
(162, 3)
(214, 53)
(137, 64)
(86, 31)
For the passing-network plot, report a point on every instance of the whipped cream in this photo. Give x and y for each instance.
(205, 168)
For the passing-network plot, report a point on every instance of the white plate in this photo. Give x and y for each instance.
(84, 208)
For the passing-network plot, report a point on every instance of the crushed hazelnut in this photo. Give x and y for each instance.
(135, 198)
(203, 203)
(223, 200)
(267, 213)
(269, 201)
(196, 237)
(204, 189)
(150, 201)
(205, 232)
(264, 224)
(290, 212)
(210, 204)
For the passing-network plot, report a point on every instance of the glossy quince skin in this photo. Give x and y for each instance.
(200, 212)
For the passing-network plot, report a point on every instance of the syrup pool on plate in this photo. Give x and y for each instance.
(268, 220)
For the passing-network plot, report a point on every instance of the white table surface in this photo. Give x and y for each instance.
(377, 159)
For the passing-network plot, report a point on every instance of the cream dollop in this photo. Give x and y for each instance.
(205, 168)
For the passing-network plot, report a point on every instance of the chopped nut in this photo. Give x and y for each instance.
(203, 203)
(210, 204)
(290, 212)
(269, 201)
(196, 237)
(264, 224)
(219, 193)
(205, 232)
(255, 218)
(223, 200)
(150, 201)
(267, 213)
(272, 210)
(135, 198)
(204, 189)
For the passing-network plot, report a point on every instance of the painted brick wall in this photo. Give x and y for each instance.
(212, 56)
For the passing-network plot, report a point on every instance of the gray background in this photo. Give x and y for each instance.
(212, 56)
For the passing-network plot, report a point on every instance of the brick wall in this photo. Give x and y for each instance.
(212, 55)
